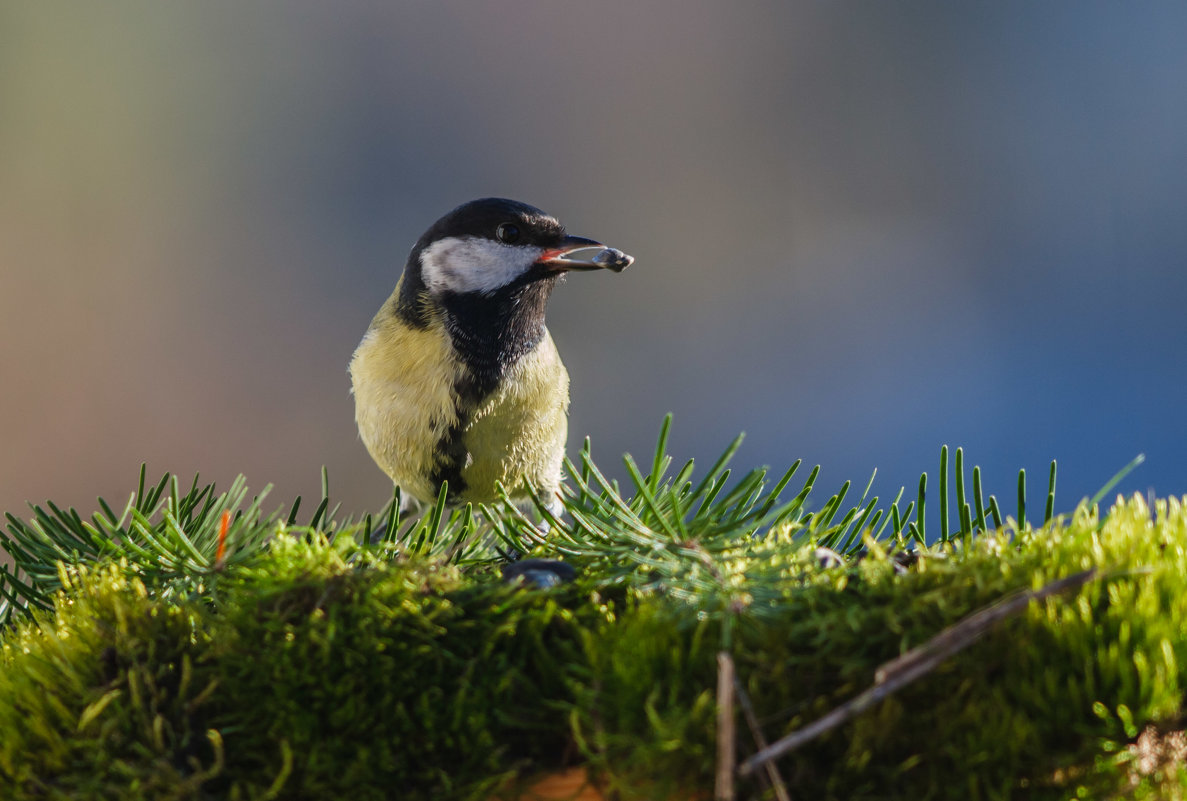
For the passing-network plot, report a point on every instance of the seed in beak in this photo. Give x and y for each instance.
(613, 259)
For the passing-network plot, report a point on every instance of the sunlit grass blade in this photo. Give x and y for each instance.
(944, 494)
(719, 465)
(1049, 509)
(1022, 500)
(890, 520)
(660, 464)
(962, 506)
(921, 509)
(1116, 479)
(979, 500)
(995, 513)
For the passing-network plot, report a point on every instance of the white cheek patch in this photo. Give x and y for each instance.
(471, 264)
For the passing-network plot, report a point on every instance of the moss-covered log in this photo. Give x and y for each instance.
(319, 671)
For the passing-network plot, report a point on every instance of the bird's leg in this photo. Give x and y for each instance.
(408, 505)
(556, 508)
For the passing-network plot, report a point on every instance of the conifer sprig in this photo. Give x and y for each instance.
(168, 537)
(664, 530)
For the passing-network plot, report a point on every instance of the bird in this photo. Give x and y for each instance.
(457, 380)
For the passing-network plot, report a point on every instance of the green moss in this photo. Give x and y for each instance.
(324, 672)
(381, 676)
(106, 698)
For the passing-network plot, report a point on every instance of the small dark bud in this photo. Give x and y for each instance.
(539, 573)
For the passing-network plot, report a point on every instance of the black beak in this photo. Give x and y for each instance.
(557, 258)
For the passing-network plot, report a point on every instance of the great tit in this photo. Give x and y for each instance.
(457, 379)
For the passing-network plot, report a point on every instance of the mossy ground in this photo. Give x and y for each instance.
(317, 671)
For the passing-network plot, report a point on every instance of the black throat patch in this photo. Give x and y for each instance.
(490, 333)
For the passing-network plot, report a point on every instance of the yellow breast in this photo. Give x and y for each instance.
(404, 382)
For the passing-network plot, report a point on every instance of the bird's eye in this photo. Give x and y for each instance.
(508, 233)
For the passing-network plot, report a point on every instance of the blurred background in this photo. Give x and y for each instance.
(861, 230)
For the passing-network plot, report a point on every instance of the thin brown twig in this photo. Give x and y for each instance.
(773, 775)
(897, 673)
(726, 736)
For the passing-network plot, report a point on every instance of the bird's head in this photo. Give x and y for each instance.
(494, 246)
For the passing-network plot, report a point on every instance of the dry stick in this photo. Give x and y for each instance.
(776, 780)
(726, 742)
(897, 673)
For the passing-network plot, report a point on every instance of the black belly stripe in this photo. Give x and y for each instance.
(449, 457)
(489, 333)
(451, 454)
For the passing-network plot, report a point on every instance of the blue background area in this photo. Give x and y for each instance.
(862, 230)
